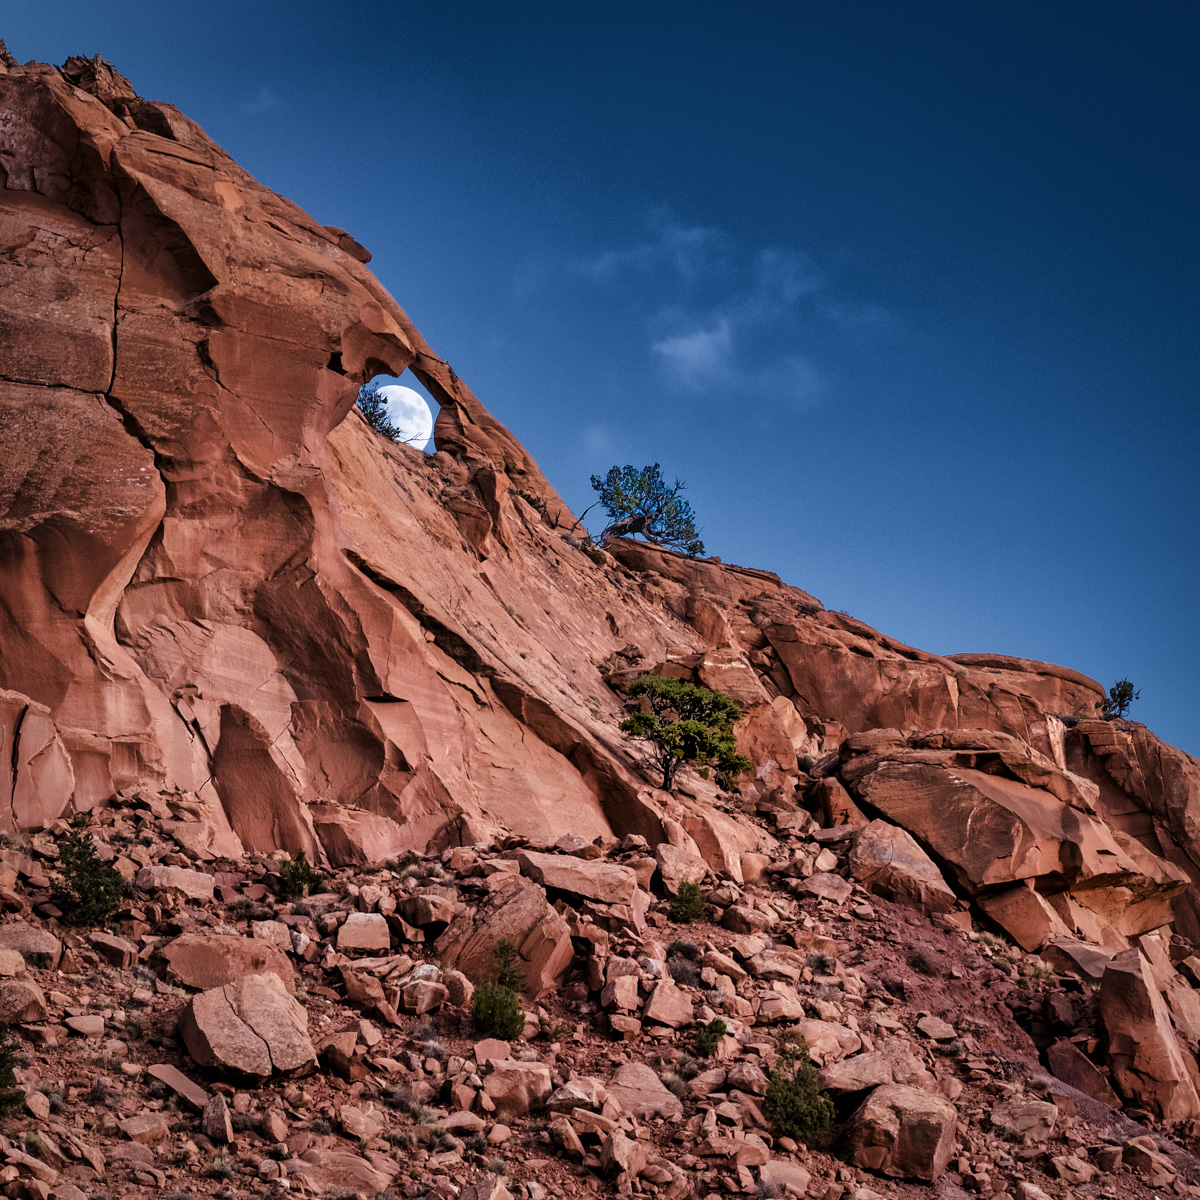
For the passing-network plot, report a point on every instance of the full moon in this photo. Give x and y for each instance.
(410, 413)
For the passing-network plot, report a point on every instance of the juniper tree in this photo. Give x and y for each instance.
(685, 723)
(639, 501)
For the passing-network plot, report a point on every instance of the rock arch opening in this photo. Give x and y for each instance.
(400, 408)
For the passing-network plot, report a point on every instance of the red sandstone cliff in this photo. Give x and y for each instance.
(219, 589)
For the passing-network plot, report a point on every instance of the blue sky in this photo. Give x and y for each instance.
(906, 293)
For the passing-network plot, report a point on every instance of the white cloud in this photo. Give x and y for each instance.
(698, 358)
(732, 319)
(263, 102)
(688, 252)
(596, 440)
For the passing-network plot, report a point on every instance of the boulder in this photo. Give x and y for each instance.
(1020, 1119)
(640, 1092)
(211, 960)
(885, 858)
(781, 1173)
(117, 951)
(38, 947)
(826, 886)
(366, 932)
(668, 1005)
(1074, 1068)
(519, 910)
(858, 1074)
(338, 1172)
(517, 1088)
(21, 1001)
(676, 866)
(1025, 916)
(1148, 1064)
(251, 1025)
(176, 881)
(608, 883)
(902, 1132)
(827, 1041)
(994, 830)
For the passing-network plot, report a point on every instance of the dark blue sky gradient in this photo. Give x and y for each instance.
(907, 293)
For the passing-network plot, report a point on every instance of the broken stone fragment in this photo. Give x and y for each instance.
(1030, 1122)
(38, 947)
(252, 1025)
(608, 883)
(517, 1088)
(902, 1132)
(211, 960)
(176, 881)
(364, 932)
(1148, 1063)
(640, 1092)
(885, 858)
(21, 1001)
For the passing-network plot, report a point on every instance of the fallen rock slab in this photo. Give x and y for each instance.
(38, 947)
(252, 1025)
(640, 1092)
(885, 858)
(176, 881)
(609, 883)
(211, 960)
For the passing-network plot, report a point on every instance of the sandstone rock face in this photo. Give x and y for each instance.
(216, 583)
(903, 1132)
(221, 593)
(251, 1025)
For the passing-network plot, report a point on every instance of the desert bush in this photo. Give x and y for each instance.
(925, 960)
(496, 1005)
(497, 1012)
(821, 962)
(373, 407)
(508, 965)
(708, 1037)
(794, 1103)
(12, 1099)
(86, 889)
(685, 970)
(687, 905)
(297, 878)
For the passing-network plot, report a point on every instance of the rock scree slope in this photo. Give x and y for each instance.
(226, 602)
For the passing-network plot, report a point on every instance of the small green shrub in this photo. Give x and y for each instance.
(496, 1006)
(496, 1011)
(87, 890)
(297, 878)
(12, 1098)
(794, 1103)
(509, 973)
(597, 556)
(687, 905)
(685, 723)
(708, 1037)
